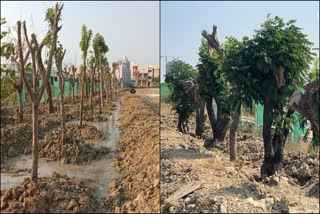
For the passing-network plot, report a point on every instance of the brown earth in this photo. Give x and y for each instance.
(137, 190)
(54, 194)
(226, 186)
(16, 138)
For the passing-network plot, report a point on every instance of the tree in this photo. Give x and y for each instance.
(114, 80)
(213, 86)
(59, 55)
(308, 104)
(70, 76)
(179, 97)
(34, 92)
(198, 103)
(235, 68)
(93, 65)
(84, 46)
(100, 49)
(10, 52)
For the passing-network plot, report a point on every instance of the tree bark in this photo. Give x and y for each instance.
(267, 167)
(200, 118)
(211, 116)
(221, 126)
(72, 96)
(101, 89)
(62, 112)
(81, 102)
(20, 105)
(35, 127)
(91, 94)
(50, 100)
(233, 131)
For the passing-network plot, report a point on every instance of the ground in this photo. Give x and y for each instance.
(224, 186)
(137, 189)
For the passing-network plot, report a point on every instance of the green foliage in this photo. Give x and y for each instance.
(85, 41)
(179, 97)
(99, 45)
(212, 81)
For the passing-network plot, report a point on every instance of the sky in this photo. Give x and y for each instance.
(183, 22)
(130, 28)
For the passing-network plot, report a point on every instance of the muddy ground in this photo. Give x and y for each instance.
(137, 190)
(222, 186)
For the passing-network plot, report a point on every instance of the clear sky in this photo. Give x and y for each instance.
(183, 22)
(129, 28)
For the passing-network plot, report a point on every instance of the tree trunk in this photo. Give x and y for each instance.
(107, 92)
(267, 167)
(81, 102)
(35, 152)
(50, 100)
(91, 95)
(233, 131)
(72, 96)
(200, 119)
(101, 91)
(211, 116)
(305, 104)
(20, 105)
(221, 126)
(62, 113)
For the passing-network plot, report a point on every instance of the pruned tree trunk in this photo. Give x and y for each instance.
(307, 105)
(81, 102)
(91, 94)
(200, 119)
(107, 92)
(101, 89)
(35, 150)
(72, 94)
(211, 116)
(50, 99)
(221, 125)
(20, 105)
(267, 167)
(233, 131)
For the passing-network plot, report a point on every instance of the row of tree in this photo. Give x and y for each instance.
(269, 69)
(26, 53)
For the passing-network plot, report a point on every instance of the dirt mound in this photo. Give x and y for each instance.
(15, 140)
(55, 194)
(138, 160)
(74, 151)
(84, 132)
(233, 187)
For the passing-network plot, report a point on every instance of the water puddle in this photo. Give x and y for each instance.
(101, 171)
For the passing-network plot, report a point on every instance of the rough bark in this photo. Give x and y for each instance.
(82, 87)
(35, 150)
(221, 125)
(211, 116)
(35, 93)
(267, 167)
(20, 105)
(101, 88)
(305, 104)
(233, 131)
(58, 59)
(50, 100)
(91, 92)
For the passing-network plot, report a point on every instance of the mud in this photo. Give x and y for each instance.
(137, 190)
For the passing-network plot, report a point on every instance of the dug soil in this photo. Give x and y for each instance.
(137, 189)
(199, 180)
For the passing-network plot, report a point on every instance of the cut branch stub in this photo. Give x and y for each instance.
(213, 40)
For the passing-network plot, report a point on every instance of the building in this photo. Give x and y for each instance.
(125, 72)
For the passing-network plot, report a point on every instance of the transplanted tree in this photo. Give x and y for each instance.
(115, 83)
(10, 52)
(213, 86)
(100, 49)
(276, 60)
(34, 91)
(179, 97)
(84, 46)
(59, 55)
(198, 103)
(308, 103)
(70, 76)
